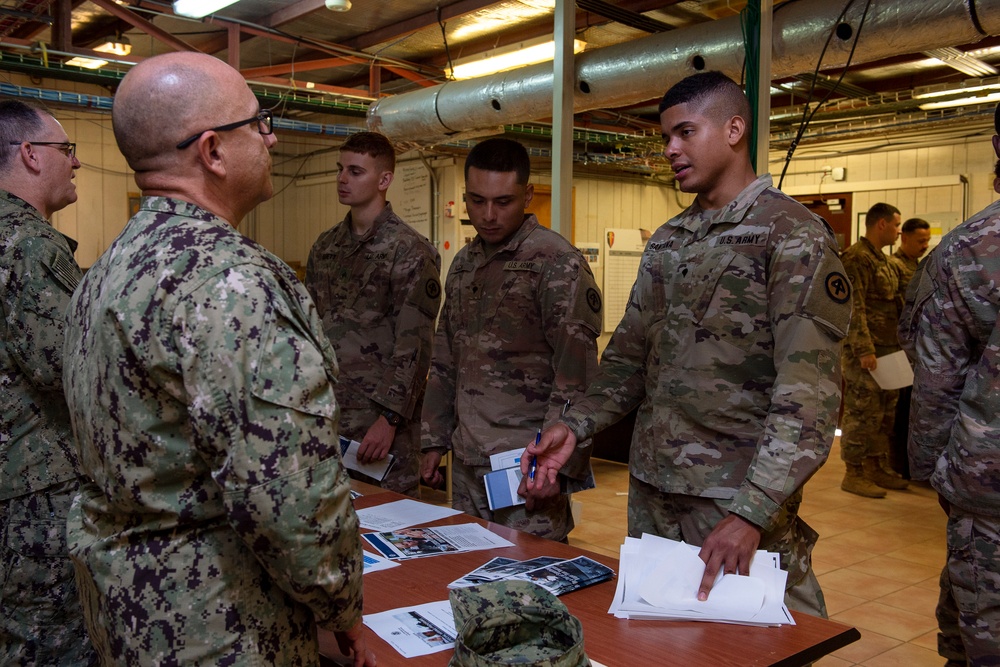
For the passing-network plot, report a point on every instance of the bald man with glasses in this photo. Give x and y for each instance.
(41, 622)
(218, 527)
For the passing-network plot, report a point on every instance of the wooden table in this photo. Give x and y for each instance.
(611, 641)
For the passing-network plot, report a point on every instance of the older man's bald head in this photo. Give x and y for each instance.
(165, 99)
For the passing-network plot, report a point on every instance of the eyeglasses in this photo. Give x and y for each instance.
(264, 120)
(68, 148)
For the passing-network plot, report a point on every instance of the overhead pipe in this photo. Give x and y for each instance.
(643, 69)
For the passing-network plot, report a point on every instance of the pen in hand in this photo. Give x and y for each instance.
(534, 459)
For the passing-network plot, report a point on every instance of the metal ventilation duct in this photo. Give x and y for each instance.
(643, 69)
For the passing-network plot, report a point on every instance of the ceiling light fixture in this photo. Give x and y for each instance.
(527, 55)
(993, 98)
(197, 9)
(86, 63)
(924, 93)
(119, 46)
(338, 5)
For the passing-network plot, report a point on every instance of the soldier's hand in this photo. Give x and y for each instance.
(352, 643)
(539, 492)
(553, 450)
(377, 441)
(869, 362)
(730, 547)
(430, 469)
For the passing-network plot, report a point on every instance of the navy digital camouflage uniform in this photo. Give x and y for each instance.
(378, 297)
(869, 410)
(951, 332)
(517, 338)
(218, 526)
(730, 348)
(41, 622)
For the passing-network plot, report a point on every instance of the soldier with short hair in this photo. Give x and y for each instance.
(950, 329)
(516, 342)
(217, 525)
(376, 282)
(730, 348)
(41, 622)
(870, 411)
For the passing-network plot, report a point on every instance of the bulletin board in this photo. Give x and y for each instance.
(622, 252)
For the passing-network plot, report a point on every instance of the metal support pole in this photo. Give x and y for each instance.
(763, 101)
(563, 87)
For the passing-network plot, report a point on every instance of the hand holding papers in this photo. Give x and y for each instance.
(349, 455)
(659, 579)
(893, 371)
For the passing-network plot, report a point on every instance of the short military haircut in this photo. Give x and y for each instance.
(19, 121)
(373, 145)
(913, 224)
(880, 211)
(712, 92)
(501, 155)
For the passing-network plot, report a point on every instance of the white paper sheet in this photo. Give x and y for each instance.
(375, 563)
(893, 371)
(401, 514)
(415, 631)
(349, 456)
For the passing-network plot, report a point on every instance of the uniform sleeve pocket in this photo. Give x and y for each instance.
(776, 455)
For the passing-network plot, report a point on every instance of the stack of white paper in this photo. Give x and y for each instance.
(659, 579)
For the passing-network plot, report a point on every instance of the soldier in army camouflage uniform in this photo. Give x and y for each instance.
(914, 237)
(376, 282)
(869, 410)
(950, 329)
(516, 341)
(218, 526)
(730, 348)
(41, 622)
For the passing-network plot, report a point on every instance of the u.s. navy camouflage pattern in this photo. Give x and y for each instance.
(41, 622)
(218, 526)
(553, 521)
(691, 519)
(514, 623)
(951, 333)
(517, 339)
(378, 297)
(730, 346)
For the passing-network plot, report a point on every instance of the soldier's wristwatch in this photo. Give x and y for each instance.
(394, 418)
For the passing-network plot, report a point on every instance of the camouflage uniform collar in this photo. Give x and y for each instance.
(529, 225)
(160, 204)
(346, 237)
(16, 203)
(696, 217)
(870, 247)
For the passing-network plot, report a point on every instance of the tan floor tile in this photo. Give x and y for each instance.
(832, 661)
(895, 569)
(928, 640)
(608, 536)
(887, 620)
(913, 598)
(905, 655)
(868, 541)
(829, 553)
(926, 553)
(931, 583)
(836, 601)
(859, 584)
(870, 645)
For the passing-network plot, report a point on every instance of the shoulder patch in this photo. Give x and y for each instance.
(432, 288)
(594, 299)
(838, 287)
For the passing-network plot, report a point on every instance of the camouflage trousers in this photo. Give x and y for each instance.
(41, 621)
(949, 639)
(869, 413)
(404, 476)
(692, 518)
(974, 572)
(552, 521)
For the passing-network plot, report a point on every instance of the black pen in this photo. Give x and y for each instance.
(534, 459)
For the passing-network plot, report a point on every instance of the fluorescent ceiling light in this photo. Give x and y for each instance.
(119, 47)
(199, 8)
(924, 94)
(965, 101)
(500, 63)
(87, 63)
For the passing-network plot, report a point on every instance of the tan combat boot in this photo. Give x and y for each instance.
(875, 473)
(855, 482)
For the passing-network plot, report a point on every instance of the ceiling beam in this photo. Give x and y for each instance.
(317, 87)
(418, 22)
(291, 13)
(301, 66)
(142, 24)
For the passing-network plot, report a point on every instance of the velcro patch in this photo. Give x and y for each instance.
(838, 287)
(594, 299)
(523, 266)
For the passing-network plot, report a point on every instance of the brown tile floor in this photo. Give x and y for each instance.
(877, 560)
